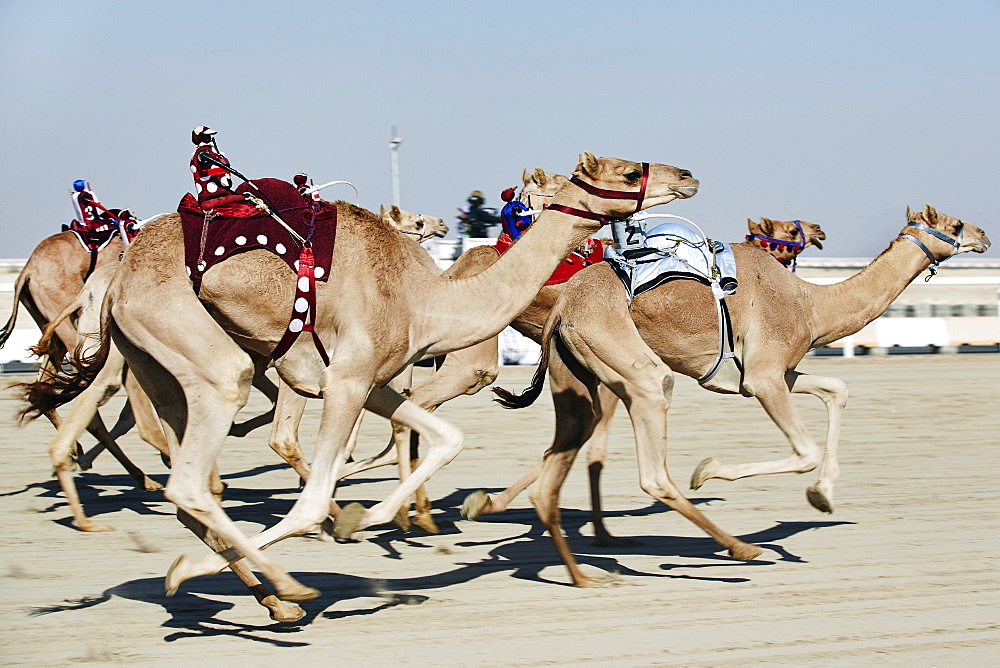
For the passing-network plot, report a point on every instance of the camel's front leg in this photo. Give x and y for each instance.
(445, 444)
(772, 391)
(833, 393)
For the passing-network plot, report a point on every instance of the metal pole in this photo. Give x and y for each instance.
(394, 154)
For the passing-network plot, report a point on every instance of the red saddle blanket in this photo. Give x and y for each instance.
(588, 253)
(235, 225)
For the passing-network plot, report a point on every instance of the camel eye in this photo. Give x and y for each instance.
(633, 176)
(420, 225)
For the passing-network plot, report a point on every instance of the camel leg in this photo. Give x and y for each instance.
(597, 447)
(445, 444)
(575, 421)
(833, 393)
(145, 418)
(346, 384)
(284, 439)
(100, 432)
(279, 611)
(624, 363)
(772, 391)
(80, 416)
(214, 376)
(269, 390)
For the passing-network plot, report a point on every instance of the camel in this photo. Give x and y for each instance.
(51, 280)
(801, 234)
(592, 337)
(378, 311)
(87, 307)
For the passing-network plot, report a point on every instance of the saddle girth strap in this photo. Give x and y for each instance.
(303, 308)
(93, 263)
(725, 336)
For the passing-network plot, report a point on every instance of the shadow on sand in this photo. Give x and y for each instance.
(196, 611)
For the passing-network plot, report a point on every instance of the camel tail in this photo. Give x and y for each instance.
(62, 387)
(508, 399)
(22, 280)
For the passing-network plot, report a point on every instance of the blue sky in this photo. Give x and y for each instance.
(840, 113)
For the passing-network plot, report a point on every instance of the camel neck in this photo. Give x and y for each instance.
(844, 308)
(495, 296)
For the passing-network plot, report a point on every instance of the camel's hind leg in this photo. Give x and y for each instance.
(624, 363)
(215, 377)
(171, 402)
(597, 448)
(575, 407)
(346, 384)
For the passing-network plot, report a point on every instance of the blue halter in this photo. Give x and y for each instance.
(935, 263)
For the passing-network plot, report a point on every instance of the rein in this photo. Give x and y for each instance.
(935, 263)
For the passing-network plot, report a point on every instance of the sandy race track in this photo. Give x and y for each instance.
(902, 573)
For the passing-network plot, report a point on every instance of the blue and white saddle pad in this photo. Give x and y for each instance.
(670, 251)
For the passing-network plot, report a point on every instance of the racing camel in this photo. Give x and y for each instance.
(378, 311)
(766, 234)
(777, 318)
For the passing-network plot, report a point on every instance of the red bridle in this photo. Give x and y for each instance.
(638, 196)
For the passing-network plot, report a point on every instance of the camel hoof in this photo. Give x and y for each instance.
(90, 527)
(585, 582)
(745, 552)
(474, 504)
(705, 470)
(176, 574)
(347, 522)
(819, 499)
(151, 485)
(426, 524)
(402, 520)
(282, 611)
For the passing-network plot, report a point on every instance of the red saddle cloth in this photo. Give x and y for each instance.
(235, 225)
(588, 253)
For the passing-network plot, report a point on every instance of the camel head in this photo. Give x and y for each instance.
(419, 225)
(788, 230)
(540, 186)
(664, 184)
(967, 237)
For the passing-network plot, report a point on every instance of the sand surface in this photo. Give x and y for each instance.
(903, 573)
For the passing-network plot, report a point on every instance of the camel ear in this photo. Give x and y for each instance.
(525, 176)
(910, 216)
(930, 214)
(540, 177)
(396, 214)
(588, 164)
(753, 227)
(381, 210)
(767, 227)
